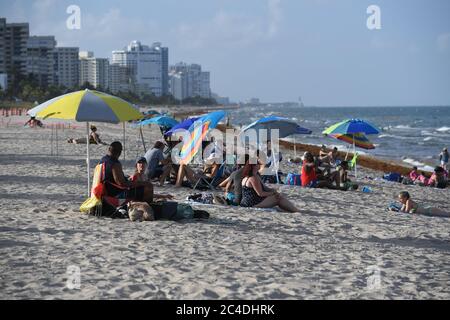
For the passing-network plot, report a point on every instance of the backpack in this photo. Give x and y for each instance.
(393, 176)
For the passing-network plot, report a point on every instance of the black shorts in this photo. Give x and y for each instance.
(136, 194)
(157, 172)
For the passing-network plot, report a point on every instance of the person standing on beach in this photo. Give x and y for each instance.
(443, 157)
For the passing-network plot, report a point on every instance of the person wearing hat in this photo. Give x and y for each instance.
(140, 166)
(443, 157)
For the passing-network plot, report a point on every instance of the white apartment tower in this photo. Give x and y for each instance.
(147, 67)
(94, 70)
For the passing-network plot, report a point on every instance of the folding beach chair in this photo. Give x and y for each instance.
(214, 181)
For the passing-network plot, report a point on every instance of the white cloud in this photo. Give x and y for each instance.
(443, 42)
(230, 29)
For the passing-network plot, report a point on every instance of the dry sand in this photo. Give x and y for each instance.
(343, 245)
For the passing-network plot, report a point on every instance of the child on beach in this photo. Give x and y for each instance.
(413, 175)
(421, 180)
(141, 165)
(410, 206)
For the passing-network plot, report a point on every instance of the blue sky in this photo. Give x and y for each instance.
(276, 50)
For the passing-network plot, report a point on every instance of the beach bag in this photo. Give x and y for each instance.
(393, 176)
(293, 179)
(140, 211)
(171, 210)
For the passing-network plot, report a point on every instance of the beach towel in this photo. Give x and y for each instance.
(97, 191)
(293, 179)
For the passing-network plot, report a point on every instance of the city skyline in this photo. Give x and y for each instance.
(275, 50)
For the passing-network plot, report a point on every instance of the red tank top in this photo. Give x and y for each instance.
(307, 177)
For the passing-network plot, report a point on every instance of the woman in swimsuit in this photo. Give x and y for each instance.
(410, 206)
(254, 194)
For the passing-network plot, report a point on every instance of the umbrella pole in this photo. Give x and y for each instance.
(124, 143)
(354, 154)
(142, 138)
(295, 149)
(87, 159)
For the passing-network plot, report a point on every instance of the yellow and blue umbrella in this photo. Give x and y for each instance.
(86, 106)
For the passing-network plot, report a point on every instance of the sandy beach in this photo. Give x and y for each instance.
(343, 245)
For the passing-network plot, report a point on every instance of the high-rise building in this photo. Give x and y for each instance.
(39, 58)
(178, 84)
(65, 67)
(13, 48)
(148, 67)
(3, 81)
(93, 70)
(118, 78)
(196, 81)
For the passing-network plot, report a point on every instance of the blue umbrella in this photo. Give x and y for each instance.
(162, 121)
(186, 124)
(352, 126)
(285, 126)
(211, 118)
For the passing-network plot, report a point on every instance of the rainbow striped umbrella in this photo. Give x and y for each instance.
(198, 131)
(359, 139)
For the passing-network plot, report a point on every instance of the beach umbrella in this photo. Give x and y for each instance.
(165, 122)
(198, 131)
(285, 127)
(359, 139)
(352, 126)
(87, 106)
(162, 121)
(186, 124)
(151, 113)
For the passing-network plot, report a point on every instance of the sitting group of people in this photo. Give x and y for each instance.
(325, 171)
(439, 178)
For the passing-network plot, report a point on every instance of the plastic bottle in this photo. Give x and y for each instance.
(366, 189)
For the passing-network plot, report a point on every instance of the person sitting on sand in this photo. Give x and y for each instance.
(94, 138)
(330, 158)
(438, 179)
(158, 166)
(421, 180)
(234, 182)
(139, 173)
(118, 186)
(414, 174)
(254, 194)
(33, 122)
(345, 182)
(310, 178)
(410, 206)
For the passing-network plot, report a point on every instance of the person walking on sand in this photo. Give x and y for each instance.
(410, 206)
(443, 157)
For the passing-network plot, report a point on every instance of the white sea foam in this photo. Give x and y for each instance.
(428, 139)
(443, 129)
(413, 162)
(403, 127)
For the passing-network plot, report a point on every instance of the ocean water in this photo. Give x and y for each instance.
(413, 135)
